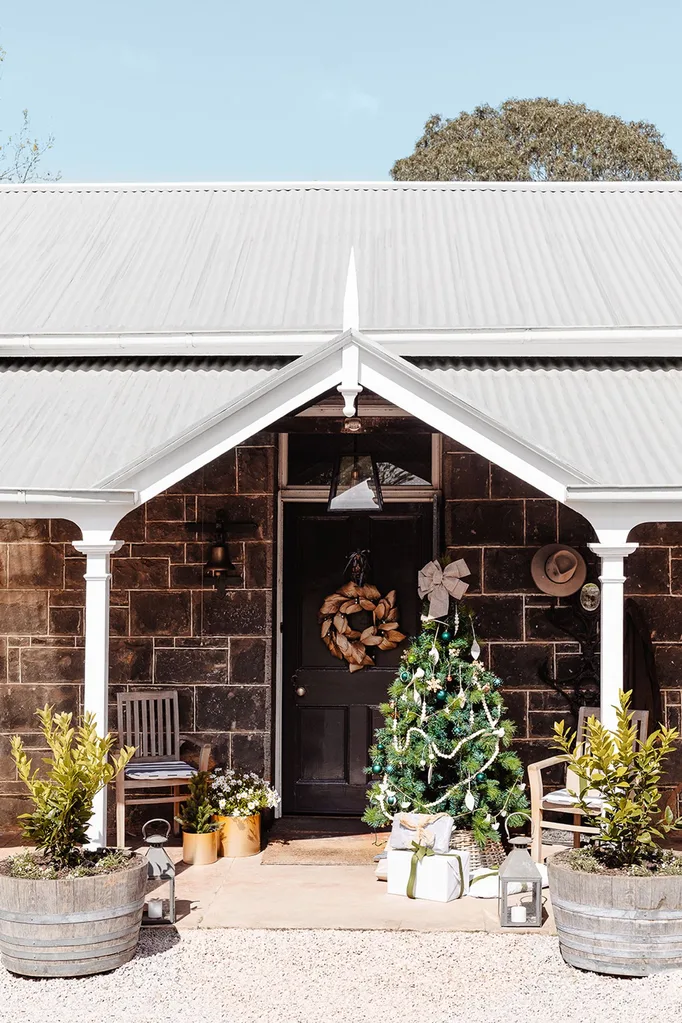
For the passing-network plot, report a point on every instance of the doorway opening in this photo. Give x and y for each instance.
(326, 715)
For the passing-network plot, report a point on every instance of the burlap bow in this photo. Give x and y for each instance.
(422, 835)
(439, 584)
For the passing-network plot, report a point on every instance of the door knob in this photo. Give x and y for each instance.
(300, 690)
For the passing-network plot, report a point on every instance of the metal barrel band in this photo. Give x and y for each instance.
(616, 914)
(13, 941)
(620, 951)
(623, 936)
(94, 952)
(72, 918)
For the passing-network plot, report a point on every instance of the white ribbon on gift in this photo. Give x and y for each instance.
(439, 584)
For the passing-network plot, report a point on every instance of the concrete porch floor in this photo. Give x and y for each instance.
(246, 894)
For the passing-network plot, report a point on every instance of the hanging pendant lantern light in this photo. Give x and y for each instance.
(355, 484)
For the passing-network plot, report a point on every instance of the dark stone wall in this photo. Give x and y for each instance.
(497, 523)
(168, 630)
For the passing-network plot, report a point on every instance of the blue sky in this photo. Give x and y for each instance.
(150, 90)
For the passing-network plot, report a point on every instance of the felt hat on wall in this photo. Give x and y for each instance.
(558, 570)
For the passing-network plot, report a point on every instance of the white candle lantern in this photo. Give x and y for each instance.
(155, 909)
(160, 867)
(518, 874)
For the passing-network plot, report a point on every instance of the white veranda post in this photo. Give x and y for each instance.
(96, 690)
(612, 579)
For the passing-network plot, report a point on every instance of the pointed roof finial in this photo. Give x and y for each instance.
(351, 306)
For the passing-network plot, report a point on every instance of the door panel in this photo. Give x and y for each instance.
(328, 730)
(323, 754)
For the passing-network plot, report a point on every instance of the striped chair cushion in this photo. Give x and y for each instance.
(562, 797)
(155, 771)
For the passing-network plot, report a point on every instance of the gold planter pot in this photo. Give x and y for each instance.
(199, 850)
(239, 836)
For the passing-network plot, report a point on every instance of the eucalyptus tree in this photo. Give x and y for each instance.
(538, 140)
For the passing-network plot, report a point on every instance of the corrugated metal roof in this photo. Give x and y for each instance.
(69, 425)
(73, 424)
(184, 258)
(620, 425)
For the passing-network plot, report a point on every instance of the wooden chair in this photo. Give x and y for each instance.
(561, 800)
(150, 722)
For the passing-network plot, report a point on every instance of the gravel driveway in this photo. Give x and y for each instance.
(240, 976)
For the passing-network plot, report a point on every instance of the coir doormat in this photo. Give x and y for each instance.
(322, 842)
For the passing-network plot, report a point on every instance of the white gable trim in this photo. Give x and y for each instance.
(612, 511)
(305, 380)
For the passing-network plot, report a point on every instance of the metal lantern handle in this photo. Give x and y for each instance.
(156, 820)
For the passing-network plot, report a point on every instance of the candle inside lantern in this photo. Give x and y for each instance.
(155, 909)
(517, 914)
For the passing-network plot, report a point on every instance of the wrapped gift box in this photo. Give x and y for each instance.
(407, 828)
(439, 877)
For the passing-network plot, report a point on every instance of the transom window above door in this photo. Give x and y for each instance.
(403, 460)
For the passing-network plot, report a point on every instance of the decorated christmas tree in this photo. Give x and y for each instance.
(445, 745)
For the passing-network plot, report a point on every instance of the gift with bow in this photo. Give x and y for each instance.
(439, 584)
(421, 864)
(430, 830)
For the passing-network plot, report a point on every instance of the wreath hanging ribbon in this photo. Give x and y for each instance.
(349, 644)
(439, 584)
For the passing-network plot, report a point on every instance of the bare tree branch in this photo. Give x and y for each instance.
(21, 152)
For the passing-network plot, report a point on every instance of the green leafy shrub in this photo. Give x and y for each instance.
(34, 867)
(81, 763)
(196, 813)
(588, 862)
(626, 773)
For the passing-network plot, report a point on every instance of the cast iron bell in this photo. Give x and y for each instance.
(219, 565)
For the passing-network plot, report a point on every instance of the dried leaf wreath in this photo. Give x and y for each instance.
(351, 644)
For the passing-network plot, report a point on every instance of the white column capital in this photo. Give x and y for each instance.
(100, 548)
(613, 552)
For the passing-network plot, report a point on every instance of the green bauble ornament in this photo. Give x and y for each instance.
(390, 769)
(405, 675)
(441, 694)
(446, 635)
(391, 800)
(376, 768)
(480, 777)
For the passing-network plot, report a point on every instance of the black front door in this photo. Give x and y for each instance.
(329, 714)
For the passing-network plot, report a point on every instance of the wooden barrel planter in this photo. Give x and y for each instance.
(626, 926)
(72, 927)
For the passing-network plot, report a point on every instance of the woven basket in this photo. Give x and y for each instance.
(490, 855)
